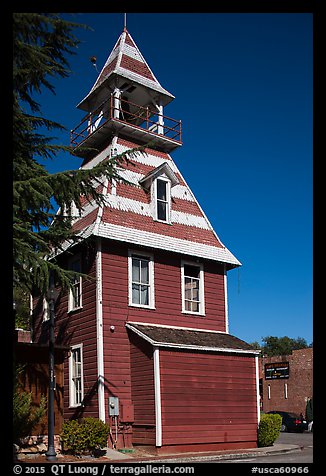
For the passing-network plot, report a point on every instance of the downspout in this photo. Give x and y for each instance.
(99, 315)
(99, 331)
(157, 393)
(257, 388)
(226, 301)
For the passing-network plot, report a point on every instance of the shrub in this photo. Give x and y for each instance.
(26, 415)
(269, 429)
(86, 435)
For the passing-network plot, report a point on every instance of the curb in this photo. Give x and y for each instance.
(193, 458)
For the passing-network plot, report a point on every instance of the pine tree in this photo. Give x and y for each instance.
(41, 42)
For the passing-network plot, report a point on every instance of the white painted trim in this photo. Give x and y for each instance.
(189, 347)
(71, 307)
(163, 178)
(72, 403)
(226, 301)
(176, 327)
(157, 393)
(99, 333)
(131, 253)
(257, 388)
(163, 242)
(201, 288)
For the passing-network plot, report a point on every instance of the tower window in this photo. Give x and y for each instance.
(162, 195)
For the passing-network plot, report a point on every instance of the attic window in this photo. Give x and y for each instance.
(162, 200)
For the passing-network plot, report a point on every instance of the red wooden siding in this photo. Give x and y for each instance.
(142, 390)
(167, 279)
(208, 398)
(74, 328)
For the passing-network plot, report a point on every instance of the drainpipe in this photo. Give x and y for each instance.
(226, 301)
(257, 388)
(99, 332)
(157, 392)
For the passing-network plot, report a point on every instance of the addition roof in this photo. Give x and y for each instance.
(191, 339)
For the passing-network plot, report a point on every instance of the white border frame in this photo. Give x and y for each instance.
(201, 288)
(163, 178)
(72, 403)
(131, 253)
(70, 295)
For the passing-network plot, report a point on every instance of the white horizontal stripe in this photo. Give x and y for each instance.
(178, 191)
(129, 205)
(155, 240)
(148, 159)
(189, 220)
(133, 53)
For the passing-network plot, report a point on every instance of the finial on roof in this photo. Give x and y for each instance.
(125, 22)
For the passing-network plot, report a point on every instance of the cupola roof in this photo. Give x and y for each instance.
(126, 61)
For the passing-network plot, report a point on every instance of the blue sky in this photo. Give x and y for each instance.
(243, 89)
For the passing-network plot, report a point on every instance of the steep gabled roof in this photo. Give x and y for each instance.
(126, 61)
(127, 214)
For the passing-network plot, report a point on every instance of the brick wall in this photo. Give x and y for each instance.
(289, 394)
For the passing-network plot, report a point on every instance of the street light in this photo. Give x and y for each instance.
(52, 295)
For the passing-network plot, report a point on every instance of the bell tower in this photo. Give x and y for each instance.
(126, 101)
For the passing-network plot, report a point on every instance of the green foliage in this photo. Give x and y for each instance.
(41, 43)
(269, 429)
(25, 414)
(86, 435)
(280, 345)
(22, 310)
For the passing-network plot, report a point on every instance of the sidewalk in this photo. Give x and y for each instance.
(199, 457)
(141, 456)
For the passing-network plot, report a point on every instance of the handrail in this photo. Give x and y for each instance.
(127, 112)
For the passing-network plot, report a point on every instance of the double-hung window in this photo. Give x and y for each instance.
(141, 280)
(76, 387)
(75, 293)
(163, 200)
(192, 283)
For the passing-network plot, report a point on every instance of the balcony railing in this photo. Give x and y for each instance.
(142, 122)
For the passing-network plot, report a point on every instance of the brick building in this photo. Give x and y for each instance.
(286, 381)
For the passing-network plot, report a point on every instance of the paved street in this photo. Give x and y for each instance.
(305, 455)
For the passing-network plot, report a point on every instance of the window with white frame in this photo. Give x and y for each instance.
(75, 293)
(141, 280)
(162, 188)
(76, 385)
(192, 281)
